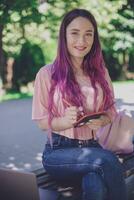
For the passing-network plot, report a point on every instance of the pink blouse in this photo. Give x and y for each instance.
(40, 104)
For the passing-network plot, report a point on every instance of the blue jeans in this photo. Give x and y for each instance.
(98, 170)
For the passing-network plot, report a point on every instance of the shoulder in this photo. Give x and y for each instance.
(106, 74)
(45, 72)
(108, 79)
(106, 71)
(46, 69)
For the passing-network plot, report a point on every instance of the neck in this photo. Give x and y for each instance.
(77, 65)
(77, 62)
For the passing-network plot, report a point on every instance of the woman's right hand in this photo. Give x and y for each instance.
(70, 117)
(67, 121)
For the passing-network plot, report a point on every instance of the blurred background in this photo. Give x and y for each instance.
(28, 40)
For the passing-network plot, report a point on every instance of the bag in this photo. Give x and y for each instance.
(118, 135)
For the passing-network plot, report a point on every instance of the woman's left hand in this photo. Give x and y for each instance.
(95, 124)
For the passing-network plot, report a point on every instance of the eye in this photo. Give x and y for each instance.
(74, 33)
(89, 34)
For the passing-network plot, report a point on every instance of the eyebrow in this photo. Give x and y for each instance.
(74, 29)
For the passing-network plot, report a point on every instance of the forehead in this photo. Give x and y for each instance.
(80, 23)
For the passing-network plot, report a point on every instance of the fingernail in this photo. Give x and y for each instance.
(80, 108)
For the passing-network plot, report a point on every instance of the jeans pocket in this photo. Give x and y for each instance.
(56, 139)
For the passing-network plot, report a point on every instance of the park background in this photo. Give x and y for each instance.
(28, 41)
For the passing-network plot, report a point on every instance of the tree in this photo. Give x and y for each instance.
(124, 43)
(26, 65)
(11, 12)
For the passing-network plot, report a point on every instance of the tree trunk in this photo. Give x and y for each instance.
(125, 65)
(2, 58)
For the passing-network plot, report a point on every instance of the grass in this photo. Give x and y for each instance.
(15, 95)
(123, 82)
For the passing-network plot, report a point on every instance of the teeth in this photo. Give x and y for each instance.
(80, 48)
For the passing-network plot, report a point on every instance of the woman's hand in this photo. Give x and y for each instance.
(95, 124)
(70, 116)
(67, 121)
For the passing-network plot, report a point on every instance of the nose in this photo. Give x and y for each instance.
(81, 40)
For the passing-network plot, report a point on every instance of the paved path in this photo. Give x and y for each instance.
(22, 143)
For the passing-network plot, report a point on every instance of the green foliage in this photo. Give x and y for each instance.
(116, 29)
(124, 29)
(56, 11)
(27, 64)
(49, 50)
(26, 9)
(14, 17)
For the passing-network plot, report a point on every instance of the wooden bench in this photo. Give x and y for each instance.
(51, 190)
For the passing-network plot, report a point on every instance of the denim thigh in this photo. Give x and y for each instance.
(71, 160)
(67, 158)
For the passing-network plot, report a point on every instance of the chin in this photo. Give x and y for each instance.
(79, 55)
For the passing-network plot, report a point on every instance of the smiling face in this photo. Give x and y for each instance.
(80, 37)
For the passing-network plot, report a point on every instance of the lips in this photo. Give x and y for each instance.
(80, 48)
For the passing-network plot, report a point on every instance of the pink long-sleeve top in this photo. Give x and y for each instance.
(40, 102)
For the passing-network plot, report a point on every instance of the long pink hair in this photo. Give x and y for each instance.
(93, 65)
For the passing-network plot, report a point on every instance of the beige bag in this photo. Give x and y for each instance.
(118, 135)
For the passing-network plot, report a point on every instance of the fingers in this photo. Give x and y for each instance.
(93, 126)
(98, 123)
(72, 108)
(106, 119)
(80, 111)
(71, 113)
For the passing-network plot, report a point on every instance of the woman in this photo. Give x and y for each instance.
(77, 82)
